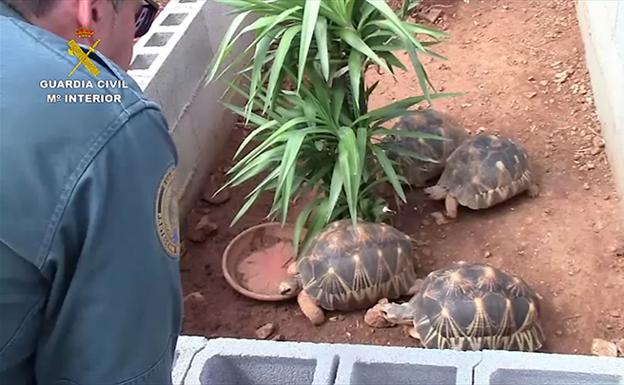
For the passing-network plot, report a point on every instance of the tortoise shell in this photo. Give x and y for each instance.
(417, 171)
(350, 267)
(486, 170)
(476, 306)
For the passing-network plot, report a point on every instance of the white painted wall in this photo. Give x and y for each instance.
(602, 28)
(169, 63)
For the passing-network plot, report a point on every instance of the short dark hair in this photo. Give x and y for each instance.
(41, 7)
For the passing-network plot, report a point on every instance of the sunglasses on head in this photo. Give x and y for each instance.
(145, 17)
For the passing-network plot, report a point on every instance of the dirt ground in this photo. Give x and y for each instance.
(521, 67)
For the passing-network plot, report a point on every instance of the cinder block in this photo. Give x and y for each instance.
(186, 348)
(173, 56)
(170, 64)
(226, 361)
(519, 368)
(372, 365)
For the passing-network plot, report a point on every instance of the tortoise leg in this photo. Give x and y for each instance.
(451, 207)
(310, 308)
(413, 333)
(534, 190)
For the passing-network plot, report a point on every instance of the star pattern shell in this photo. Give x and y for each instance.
(486, 170)
(350, 268)
(419, 172)
(477, 306)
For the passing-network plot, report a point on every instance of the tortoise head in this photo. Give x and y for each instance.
(290, 286)
(397, 313)
(386, 314)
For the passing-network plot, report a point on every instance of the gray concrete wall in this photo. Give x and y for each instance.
(602, 28)
(169, 63)
(231, 361)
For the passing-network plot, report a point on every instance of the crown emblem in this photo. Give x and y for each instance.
(84, 33)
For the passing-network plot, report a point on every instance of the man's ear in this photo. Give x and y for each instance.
(89, 15)
(85, 13)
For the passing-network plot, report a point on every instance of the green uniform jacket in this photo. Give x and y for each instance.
(89, 242)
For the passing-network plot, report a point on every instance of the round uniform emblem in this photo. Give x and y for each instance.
(167, 221)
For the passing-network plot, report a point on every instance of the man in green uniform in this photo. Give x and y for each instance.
(89, 243)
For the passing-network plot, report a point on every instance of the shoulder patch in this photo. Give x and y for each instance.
(167, 221)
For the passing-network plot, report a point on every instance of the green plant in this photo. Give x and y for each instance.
(320, 133)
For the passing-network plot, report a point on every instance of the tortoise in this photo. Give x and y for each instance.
(347, 268)
(433, 122)
(468, 306)
(484, 171)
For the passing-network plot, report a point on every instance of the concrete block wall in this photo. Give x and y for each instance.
(602, 28)
(170, 63)
(228, 361)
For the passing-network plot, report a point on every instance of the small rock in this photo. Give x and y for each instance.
(487, 254)
(586, 186)
(530, 95)
(548, 211)
(558, 333)
(595, 150)
(598, 142)
(531, 78)
(614, 313)
(432, 15)
(562, 76)
(602, 347)
(220, 199)
(439, 218)
(194, 300)
(265, 331)
(480, 130)
(202, 230)
(543, 83)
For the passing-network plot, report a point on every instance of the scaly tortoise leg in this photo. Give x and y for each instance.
(451, 206)
(534, 190)
(310, 308)
(413, 333)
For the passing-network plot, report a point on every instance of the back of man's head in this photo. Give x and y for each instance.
(39, 7)
(113, 22)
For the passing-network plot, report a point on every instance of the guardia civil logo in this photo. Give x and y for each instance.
(167, 221)
(83, 59)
